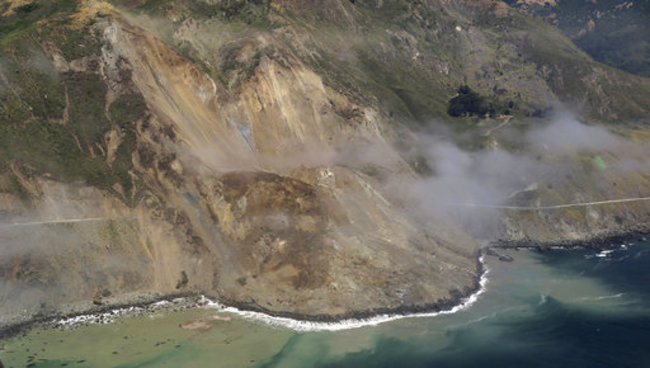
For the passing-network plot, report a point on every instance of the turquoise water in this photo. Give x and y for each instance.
(564, 308)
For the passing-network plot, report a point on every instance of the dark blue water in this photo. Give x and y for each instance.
(551, 334)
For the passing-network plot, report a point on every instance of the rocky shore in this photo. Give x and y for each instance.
(89, 312)
(603, 241)
(457, 297)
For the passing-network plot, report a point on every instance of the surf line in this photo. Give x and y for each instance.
(273, 321)
(308, 326)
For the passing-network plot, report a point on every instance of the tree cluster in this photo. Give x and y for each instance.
(468, 103)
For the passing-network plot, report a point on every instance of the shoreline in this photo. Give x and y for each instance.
(139, 302)
(602, 241)
(143, 303)
(295, 321)
(300, 322)
(358, 319)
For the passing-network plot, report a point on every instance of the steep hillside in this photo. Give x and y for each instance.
(265, 153)
(411, 56)
(202, 190)
(614, 32)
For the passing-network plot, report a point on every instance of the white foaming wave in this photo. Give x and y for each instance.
(604, 253)
(111, 315)
(543, 299)
(604, 297)
(305, 326)
(485, 317)
(96, 318)
(161, 304)
(279, 322)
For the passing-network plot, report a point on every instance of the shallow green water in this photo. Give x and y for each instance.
(562, 308)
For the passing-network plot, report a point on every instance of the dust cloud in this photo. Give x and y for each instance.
(469, 186)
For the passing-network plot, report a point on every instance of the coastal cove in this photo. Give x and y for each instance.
(532, 310)
(111, 309)
(106, 311)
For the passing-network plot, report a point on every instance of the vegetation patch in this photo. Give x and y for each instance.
(469, 103)
(34, 89)
(39, 133)
(74, 44)
(244, 11)
(10, 183)
(27, 17)
(242, 281)
(87, 117)
(127, 108)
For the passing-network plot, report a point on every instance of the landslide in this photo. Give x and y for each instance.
(128, 172)
(292, 236)
(407, 60)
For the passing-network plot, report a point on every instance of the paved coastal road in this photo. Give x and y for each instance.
(61, 221)
(520, 208)
(555, 207)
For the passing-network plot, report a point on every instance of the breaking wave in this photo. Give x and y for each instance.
(304, 326)
(280, 322)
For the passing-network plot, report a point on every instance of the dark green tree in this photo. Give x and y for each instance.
(467, 103)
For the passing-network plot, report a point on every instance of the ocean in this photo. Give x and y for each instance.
(559, 308)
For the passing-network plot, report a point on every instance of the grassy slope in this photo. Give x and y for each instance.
(34, 135)
(605, 93)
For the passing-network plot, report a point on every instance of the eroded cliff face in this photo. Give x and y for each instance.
(241, 196)
(289, 229)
